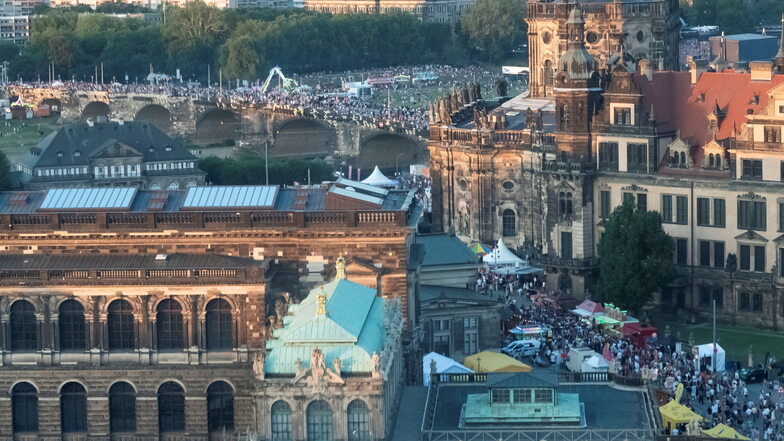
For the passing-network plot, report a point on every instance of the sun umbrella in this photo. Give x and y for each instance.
(480, 249)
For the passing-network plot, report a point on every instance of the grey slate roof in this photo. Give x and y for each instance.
(522, 380)
(143, 137)
(433, 292)
(445, 249)
(129, 262)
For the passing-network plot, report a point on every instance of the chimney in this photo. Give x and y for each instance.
(646, 68)
(90, 122)
(696, 67)
(761, 70)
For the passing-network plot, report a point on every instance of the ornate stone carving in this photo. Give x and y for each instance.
(258, 365)
(318, 376)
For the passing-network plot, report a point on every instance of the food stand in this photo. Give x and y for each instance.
(487, 361)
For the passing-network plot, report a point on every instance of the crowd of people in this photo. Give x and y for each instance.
(719, 397)
(321, 95)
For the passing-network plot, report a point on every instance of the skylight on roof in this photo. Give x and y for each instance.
(88, 198)
(245, 196)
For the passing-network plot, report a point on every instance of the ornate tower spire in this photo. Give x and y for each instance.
(340, 268)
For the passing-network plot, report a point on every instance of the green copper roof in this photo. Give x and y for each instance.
(352, 329)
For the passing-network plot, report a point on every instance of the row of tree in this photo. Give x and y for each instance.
(249, 169)
(246, 44)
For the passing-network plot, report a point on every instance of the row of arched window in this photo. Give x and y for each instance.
(122, 407)
(318, 421)
(72, 326)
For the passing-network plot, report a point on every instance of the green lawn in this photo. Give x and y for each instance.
(29, 132)
(734, 340)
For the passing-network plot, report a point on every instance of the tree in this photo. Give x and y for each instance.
(636, 257)
(494, 26)
(5, 172)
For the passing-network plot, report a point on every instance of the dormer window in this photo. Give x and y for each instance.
(702, 98)
(680, 156)
(59, 154)
(77, 153)
(168, 148)
(151, 149)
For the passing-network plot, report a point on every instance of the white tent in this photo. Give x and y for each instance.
(378, 179)
(444, 365)
(706, 351)
(501, 255)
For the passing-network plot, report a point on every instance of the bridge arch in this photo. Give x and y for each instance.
(55, 105)
(156, 115)
(391, 152)
(216, 126)
(94, 110)
(303, 138)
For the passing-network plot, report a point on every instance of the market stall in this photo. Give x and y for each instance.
(723, 431)
(487, 361)
(442, 364)
(588, 309)
(674, 413)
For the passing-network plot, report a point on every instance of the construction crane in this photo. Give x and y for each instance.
(283, 82)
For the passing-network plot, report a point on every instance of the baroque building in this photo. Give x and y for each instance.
(129, 313)
(702, 148)
(632, 30)
(439, 11)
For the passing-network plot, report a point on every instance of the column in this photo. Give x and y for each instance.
(46, 334)
(4, 332)
(194, 322)
(144, 330)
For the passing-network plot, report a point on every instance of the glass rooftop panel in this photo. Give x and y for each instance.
(86, 198)
(230, 196)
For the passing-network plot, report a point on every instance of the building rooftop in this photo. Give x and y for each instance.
(428, 293)
(203, 198)
(350, 327)
(445, 249)
(605, 407)
(77, 144)
(522, 380)
(122, 262)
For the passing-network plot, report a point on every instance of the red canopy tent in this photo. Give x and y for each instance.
(638, 332)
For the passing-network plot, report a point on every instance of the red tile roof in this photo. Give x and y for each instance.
(680, 105)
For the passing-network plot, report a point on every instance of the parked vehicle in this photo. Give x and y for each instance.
(756, 374)
(522, 348)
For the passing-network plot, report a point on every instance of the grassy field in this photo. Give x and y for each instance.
(17, 136)
(734, 340)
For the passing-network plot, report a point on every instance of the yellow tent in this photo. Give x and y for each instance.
(723, 431)
(674, 413)
(487, 361)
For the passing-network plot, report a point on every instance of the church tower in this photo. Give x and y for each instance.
(577, 92)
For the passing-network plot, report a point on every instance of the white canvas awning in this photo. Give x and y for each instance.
(502, 255)
(444, 365)
(378, 179)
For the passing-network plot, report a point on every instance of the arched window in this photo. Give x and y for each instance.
(219, 325)
(23, 327)
(220, 407)
(548, 73)
(710, 160)
(73, 408)
(122, 408)
(173, 186)
(281, 421)
(73, 336)
(24, 408)
(509, 223)
(169, 325)
(171, 408)
(319, 419)
(683, 158)
(358, 419)
(718, 161)
(674, 161)
(121, 326)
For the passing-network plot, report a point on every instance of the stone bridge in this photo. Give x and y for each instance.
(203, 123)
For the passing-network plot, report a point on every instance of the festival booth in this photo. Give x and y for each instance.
(380, 81)
(638, 333)
(588, 309)
(674, 413)
(424, 77)
(487, 361)
(723, 431)
(705, 356)
(377, 179)
(503, 261)
(443, 365)
(523, 332)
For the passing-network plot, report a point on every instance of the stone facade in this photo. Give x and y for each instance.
(439, 11)
(644, 29)
(702, 148)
